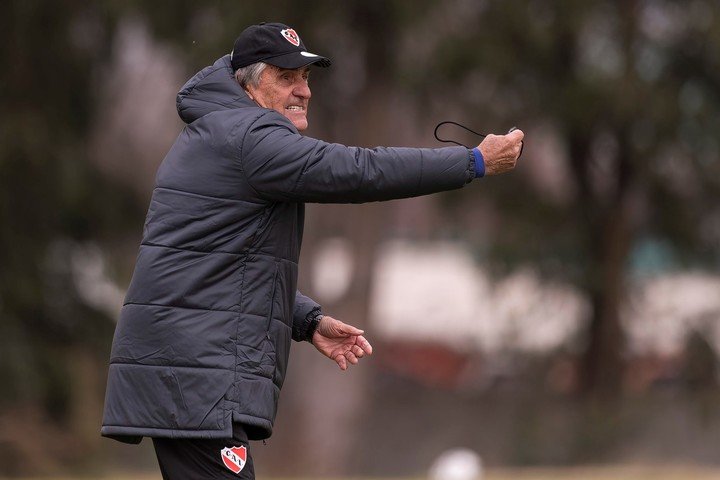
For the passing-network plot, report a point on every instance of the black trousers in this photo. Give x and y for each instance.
(201, 459)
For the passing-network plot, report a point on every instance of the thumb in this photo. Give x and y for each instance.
(516, 135)
(346, 329)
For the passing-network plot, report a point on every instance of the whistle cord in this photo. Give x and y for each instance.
(483, 135)
(449, 122)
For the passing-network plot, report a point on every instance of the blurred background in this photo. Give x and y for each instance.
(563, 315)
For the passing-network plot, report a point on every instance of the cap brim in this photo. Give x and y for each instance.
(297, 60)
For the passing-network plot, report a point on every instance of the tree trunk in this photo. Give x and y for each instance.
(602, 365)
(605, 214)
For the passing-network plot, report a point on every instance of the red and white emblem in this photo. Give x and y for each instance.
(234, 458)
(291, 36)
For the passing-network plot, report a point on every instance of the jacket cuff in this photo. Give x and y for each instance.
(471, 166)
(479, 162)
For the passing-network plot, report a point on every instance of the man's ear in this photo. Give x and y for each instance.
(249, 93)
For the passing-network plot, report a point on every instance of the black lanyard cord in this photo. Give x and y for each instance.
(449, 122)
(483, 135)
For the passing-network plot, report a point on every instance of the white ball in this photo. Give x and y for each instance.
(457, 464)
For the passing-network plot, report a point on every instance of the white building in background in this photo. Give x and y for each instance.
(664, 309)
(437, 292)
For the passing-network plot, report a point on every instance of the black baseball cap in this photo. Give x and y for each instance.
(273, 43)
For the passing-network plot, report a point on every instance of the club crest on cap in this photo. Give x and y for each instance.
(291, 36)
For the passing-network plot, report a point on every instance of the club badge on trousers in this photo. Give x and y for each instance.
(234, 458)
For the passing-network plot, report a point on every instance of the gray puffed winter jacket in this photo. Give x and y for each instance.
(203, 338)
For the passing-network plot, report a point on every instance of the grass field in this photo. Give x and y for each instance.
(580, 473)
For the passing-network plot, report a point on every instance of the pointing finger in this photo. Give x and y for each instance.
(365, 345)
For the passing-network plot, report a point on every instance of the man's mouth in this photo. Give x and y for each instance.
(295, 108)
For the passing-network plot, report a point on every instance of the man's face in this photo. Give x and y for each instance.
(285, 91)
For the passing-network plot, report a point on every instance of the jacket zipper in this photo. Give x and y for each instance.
(272, 302)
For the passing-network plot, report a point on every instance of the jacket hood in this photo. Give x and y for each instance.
(211, 89)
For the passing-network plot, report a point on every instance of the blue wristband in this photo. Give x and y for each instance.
(479, 163)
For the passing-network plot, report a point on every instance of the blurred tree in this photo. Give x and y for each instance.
(48, 192)
(52, 201)
(630, 88)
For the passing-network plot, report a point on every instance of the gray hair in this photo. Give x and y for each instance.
(250, 74)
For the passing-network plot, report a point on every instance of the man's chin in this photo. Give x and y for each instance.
(300, 123)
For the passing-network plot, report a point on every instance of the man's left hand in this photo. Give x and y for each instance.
(340, 342)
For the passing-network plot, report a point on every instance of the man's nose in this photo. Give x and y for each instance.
(302, 90)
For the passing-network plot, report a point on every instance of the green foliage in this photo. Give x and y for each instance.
(49, 193)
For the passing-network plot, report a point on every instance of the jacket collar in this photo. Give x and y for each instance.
(211, 89)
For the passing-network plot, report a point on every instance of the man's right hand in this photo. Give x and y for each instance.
(501, 151)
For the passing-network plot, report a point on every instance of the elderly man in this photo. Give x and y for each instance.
(202, 344)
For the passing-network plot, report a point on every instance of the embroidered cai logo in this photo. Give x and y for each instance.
(291, 36)
(234, 458)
